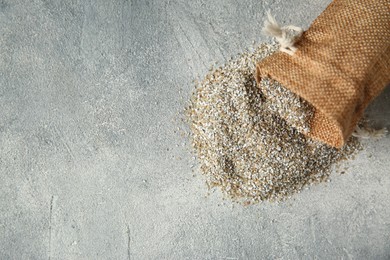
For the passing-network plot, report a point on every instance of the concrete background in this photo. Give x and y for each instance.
(92, 165)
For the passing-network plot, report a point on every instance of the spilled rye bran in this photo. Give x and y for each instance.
(247, 142)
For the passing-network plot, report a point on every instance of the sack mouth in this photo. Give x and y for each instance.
(323, 126)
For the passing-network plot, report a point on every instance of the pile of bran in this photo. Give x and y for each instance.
(248, 138)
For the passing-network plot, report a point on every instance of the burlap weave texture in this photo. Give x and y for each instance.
(341, 65)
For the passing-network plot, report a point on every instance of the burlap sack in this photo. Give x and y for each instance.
(341, 65)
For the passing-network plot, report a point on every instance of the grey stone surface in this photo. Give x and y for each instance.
(91, 162)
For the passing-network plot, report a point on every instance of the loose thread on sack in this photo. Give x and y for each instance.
(283, 35)
(367, 133)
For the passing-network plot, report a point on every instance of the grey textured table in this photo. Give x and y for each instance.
(91, 166)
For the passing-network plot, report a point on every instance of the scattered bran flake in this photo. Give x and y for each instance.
(246, 136)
